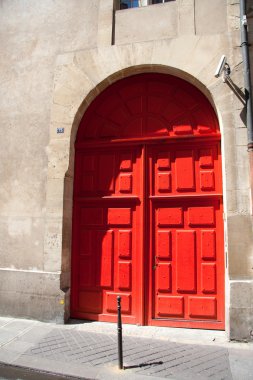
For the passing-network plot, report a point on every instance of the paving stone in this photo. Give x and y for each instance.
(142, 356)
(35, 334)
(18, 346)
(8, 356)
(6, 336)
(4, 321)
(19, 325)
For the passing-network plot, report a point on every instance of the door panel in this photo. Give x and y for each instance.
(188, 269)
(171, 260)
(186, 244)
(107, 219)
(182, 168)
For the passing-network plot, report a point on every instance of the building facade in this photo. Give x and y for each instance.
(124, 163)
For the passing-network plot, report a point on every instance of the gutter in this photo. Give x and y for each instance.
(247, 76)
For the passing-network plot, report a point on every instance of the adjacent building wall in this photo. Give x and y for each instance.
(49, 84)
(33, 34)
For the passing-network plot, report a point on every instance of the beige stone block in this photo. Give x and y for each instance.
(72, 77)
(241, 137)
(238, 202)
(186, 17)
(174, 52)
(240, 245)
(31, 294)
(228, 153)
(231, 201)
(241, 324)
(55, 197)
(107, 61)
(65, 96)
(67, 240)
(243, 201)
(70, 89)
(51, 26)
(210, 16)
(242, 163)
(147, 23)
(86, 61)
(61, 114)
(105, 23)
(21, 242)
(233, 12)
(142, 53)
(235, 36)
(23, 164)
(53, 257)
(241, 309)
(204, 57)
(98, 64)
(53, 245)
(238, 107)
(53, 240)
(125, 55)
(223, 99)
(58, 158)
(26, 85)
(241, 293)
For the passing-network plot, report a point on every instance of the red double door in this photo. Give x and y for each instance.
(148, 226)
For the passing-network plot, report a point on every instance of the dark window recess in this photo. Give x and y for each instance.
(125, 4)
(160, 1)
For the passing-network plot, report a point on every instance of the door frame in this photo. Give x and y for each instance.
(145, 315)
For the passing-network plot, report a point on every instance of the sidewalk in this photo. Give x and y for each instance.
(89, 351)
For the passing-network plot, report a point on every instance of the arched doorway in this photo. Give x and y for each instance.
(147, 216)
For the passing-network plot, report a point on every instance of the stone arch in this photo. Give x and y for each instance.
(77, 98)
(147, 108)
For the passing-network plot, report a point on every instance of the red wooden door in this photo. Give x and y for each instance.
(147, 218)
(107, 238)
(186, 239)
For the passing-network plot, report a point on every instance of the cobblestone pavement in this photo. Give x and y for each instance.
(82, 350)
(141, 355)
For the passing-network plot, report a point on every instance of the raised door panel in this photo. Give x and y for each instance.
(108, 173)
(106, 216)
(186, 254)
(187, 234)
(185, 170)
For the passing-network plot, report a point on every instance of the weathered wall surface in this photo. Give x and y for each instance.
(239, 213)
(172, 19)
(32, 36)
(52, 86)
(129, 27)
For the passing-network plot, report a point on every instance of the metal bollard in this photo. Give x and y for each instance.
(120, 347)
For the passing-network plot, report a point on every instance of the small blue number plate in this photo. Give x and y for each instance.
(60, 130)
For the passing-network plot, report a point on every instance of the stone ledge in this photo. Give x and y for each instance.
(241, 310)
(30, 294)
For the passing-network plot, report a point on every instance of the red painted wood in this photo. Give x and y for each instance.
(106, 242)
(148, 105)
(191, 293)
(147, 218)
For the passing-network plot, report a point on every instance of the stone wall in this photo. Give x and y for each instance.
(33, 34)
(50, 83)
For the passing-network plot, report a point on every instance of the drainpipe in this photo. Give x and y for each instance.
(247, 84)
(247, 78)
